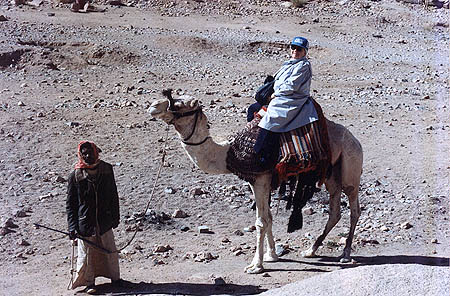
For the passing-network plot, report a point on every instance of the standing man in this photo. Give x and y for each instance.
(92, 212)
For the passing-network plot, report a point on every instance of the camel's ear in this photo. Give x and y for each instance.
(168, 94)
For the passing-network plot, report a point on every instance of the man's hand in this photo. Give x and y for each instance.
(73, 235)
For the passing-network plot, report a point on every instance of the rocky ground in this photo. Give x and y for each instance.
(380, 68)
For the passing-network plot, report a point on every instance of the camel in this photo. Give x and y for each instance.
(191, 124)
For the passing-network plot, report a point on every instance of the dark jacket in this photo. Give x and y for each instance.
(89, 202)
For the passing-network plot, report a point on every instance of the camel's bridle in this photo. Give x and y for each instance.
(177, 115)
(196, 112)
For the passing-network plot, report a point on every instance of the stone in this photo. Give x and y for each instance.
(196, 191)
(72, 124)
(281, 249)
(250, 228)
(238, 232)
(203, 229)
(5, 230)
(406, 225)
(219, 281)
(162, 249)
(23, 242)
(9, 223)
(169, 190)
(179, 214)
(308, 211)
(59, 179)
(21, 213)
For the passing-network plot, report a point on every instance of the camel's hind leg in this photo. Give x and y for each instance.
(261, 190)
(355, 212)
(335, 190)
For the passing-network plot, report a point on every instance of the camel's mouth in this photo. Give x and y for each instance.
(153, 111)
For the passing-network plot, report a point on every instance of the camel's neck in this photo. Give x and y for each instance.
(210, 156)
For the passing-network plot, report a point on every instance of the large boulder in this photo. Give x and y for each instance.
(373, 280)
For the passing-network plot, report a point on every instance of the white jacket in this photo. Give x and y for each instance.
(291, 108)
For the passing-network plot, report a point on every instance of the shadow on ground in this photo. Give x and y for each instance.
(143, 288)
(326, 261)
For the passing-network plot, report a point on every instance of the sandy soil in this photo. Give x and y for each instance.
(380, 68)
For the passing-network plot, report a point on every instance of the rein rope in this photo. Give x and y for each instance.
(153, 189)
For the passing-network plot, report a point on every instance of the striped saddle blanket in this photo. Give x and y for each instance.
(304, 149)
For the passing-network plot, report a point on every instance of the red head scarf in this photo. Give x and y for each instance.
(83, 165)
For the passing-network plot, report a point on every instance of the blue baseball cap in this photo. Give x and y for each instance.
(300, 41)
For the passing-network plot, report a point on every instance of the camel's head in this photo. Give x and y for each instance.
(170, 110)
(185, 113)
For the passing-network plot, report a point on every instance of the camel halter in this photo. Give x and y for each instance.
(195, 112)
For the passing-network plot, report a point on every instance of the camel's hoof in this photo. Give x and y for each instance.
(270, 257)
(252, 269)
(308, 254)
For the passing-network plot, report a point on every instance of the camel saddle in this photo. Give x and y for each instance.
(300, 151)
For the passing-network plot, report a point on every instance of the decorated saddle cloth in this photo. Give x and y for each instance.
(302, 150)
(242, 159)
(305, 149)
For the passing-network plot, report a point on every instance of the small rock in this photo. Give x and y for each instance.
(308, 211)
(50, 13)
(205, 256)
(184, 228)
(238, 252)
(21, 104)
(179, 214)
(3, 18)
(384, 228)
(219, 281)
(5, 231)
(250, 228)
(20, 214)
(196, 191)
(406, 225)
(23, 242)
(46, 196)
(434, 241)
(169, 190)
(59, 179)
(342, 241)
(9, 223)
(203, 229)
(162, 249)
(266, 274)
(225, 240)
(72, 123)
(281, 249)
(157, 261)
(238, 232)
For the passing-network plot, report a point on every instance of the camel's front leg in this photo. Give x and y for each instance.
(261, 191)
(271, 255)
